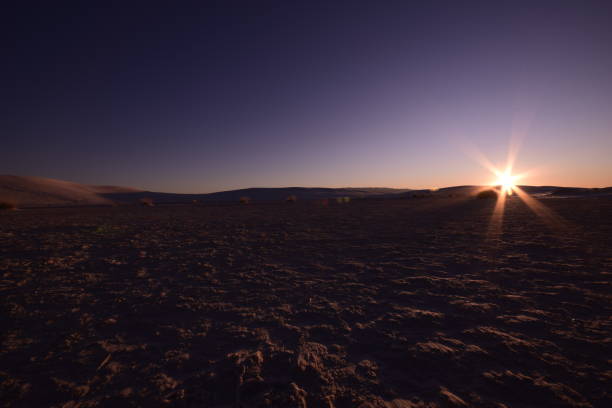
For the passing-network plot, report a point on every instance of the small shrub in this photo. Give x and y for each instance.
(146, 202)
(8, 205)
(103, 229)
(324, 202)
(291, 199)
(487, 195)
(245, 200)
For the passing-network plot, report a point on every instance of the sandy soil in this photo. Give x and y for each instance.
(368, 304)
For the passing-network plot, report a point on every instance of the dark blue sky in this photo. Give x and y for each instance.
(205, 96)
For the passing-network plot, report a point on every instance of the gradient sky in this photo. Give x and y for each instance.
(208, 96)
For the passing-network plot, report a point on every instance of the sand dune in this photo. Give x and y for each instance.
(43, 192)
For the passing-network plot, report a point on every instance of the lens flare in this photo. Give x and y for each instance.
(506, 184)
(506, 181)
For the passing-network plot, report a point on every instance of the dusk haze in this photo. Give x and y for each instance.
(306, 204)
(199, 97)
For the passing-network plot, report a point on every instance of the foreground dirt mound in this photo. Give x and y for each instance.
(366, 304)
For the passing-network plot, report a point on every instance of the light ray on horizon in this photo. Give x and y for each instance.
(497, 217)
(539, 209)
(505, 185)
(472, 151)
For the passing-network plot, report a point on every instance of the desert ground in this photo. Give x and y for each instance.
(371, 303)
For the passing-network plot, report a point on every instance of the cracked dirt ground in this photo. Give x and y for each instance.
(396, 303)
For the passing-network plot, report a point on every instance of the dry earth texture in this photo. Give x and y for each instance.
(397, 303)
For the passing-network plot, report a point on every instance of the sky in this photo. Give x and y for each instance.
(214, 95)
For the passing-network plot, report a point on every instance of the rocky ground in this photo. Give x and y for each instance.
(395, 303)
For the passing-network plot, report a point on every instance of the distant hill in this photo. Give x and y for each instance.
(261, 194)
(537, 191)
(579, 191)
(257, 194)
(44, 192)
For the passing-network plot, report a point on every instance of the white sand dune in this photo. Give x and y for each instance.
(44, 192)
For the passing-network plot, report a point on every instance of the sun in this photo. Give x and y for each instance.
(506, 182)
(505, 185)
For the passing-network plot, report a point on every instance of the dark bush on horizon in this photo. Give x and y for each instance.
(8, 205)
(146, 202)
(487, 194)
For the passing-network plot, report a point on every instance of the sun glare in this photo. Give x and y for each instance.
(506, 182)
